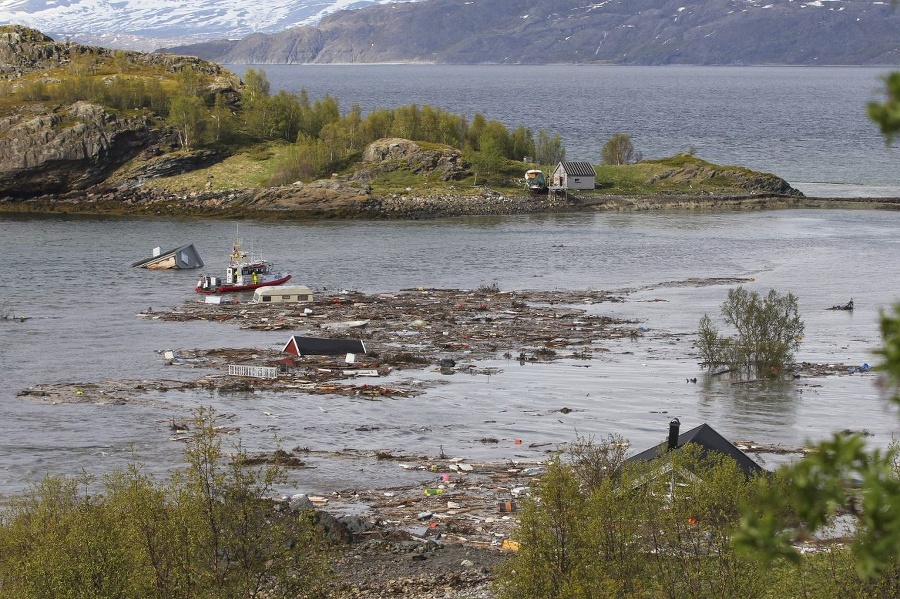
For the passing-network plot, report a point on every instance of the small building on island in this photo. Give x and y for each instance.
(574, 175)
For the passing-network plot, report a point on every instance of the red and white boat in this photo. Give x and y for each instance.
(242, 274)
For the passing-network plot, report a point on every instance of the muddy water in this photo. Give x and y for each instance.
(71, 278)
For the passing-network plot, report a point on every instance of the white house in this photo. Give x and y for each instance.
(574, 175)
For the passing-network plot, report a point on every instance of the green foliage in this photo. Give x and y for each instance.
(489, 159)
(768, 329)
(890, 351)
(521, 143)
(595, 462)
(656, 530)
(549, 149)
(208, 532)
(308, 159)
(841, 474)
(256, 85)
(188, 117)
(618, 149)
(552, 557)
(887, 115)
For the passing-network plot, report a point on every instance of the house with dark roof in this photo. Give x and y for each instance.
(707, 439)
(314, 346)
(574, 175)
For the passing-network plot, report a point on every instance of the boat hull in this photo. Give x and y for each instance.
(239, 288)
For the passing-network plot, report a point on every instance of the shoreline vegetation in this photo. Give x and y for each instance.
(88, 130)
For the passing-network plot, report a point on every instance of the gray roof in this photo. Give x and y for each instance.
(579, 169)
(709, 440)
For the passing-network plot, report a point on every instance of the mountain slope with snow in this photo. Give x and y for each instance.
(151, 24)
(640, 32)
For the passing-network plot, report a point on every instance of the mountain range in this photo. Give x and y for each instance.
(644, 32)
(150, 24)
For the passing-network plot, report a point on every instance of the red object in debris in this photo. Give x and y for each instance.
(518, 441)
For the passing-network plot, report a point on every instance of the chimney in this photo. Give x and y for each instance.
(673, 434)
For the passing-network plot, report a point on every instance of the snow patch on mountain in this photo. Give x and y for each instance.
(151, 24)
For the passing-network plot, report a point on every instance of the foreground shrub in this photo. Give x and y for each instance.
(659, 530)
(209, 531)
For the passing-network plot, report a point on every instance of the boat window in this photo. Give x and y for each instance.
(267, 298)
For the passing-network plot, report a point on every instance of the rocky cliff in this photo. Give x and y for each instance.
(640, 32)
(50, 147)
(72, 147)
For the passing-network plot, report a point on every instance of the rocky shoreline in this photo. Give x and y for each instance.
(344, 200)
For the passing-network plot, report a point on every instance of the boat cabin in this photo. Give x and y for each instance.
(245, 274)
(283, 294)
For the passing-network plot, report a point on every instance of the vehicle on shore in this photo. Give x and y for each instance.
(535, 181)
(242, 274)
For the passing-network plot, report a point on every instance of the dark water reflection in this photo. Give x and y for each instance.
(758, 407)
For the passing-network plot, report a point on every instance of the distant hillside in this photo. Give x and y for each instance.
(640, 32)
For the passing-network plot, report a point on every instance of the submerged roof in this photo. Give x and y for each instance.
(324, 347)
(185, 256)
(709, 440)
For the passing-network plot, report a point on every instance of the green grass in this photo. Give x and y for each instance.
(250, 168)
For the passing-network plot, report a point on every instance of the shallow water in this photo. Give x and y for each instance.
(82, 298)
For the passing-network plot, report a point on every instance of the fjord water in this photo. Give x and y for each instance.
(807, 125)
(81, 299)
(71, 277)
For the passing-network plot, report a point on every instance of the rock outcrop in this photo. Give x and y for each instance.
(47, 147)
(697, 174)
(73, 147)
(385, 155)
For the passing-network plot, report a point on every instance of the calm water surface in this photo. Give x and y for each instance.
(82, 298)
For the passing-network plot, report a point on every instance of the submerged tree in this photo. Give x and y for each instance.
(768, 332)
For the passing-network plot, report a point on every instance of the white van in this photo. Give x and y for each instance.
(283, 294)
